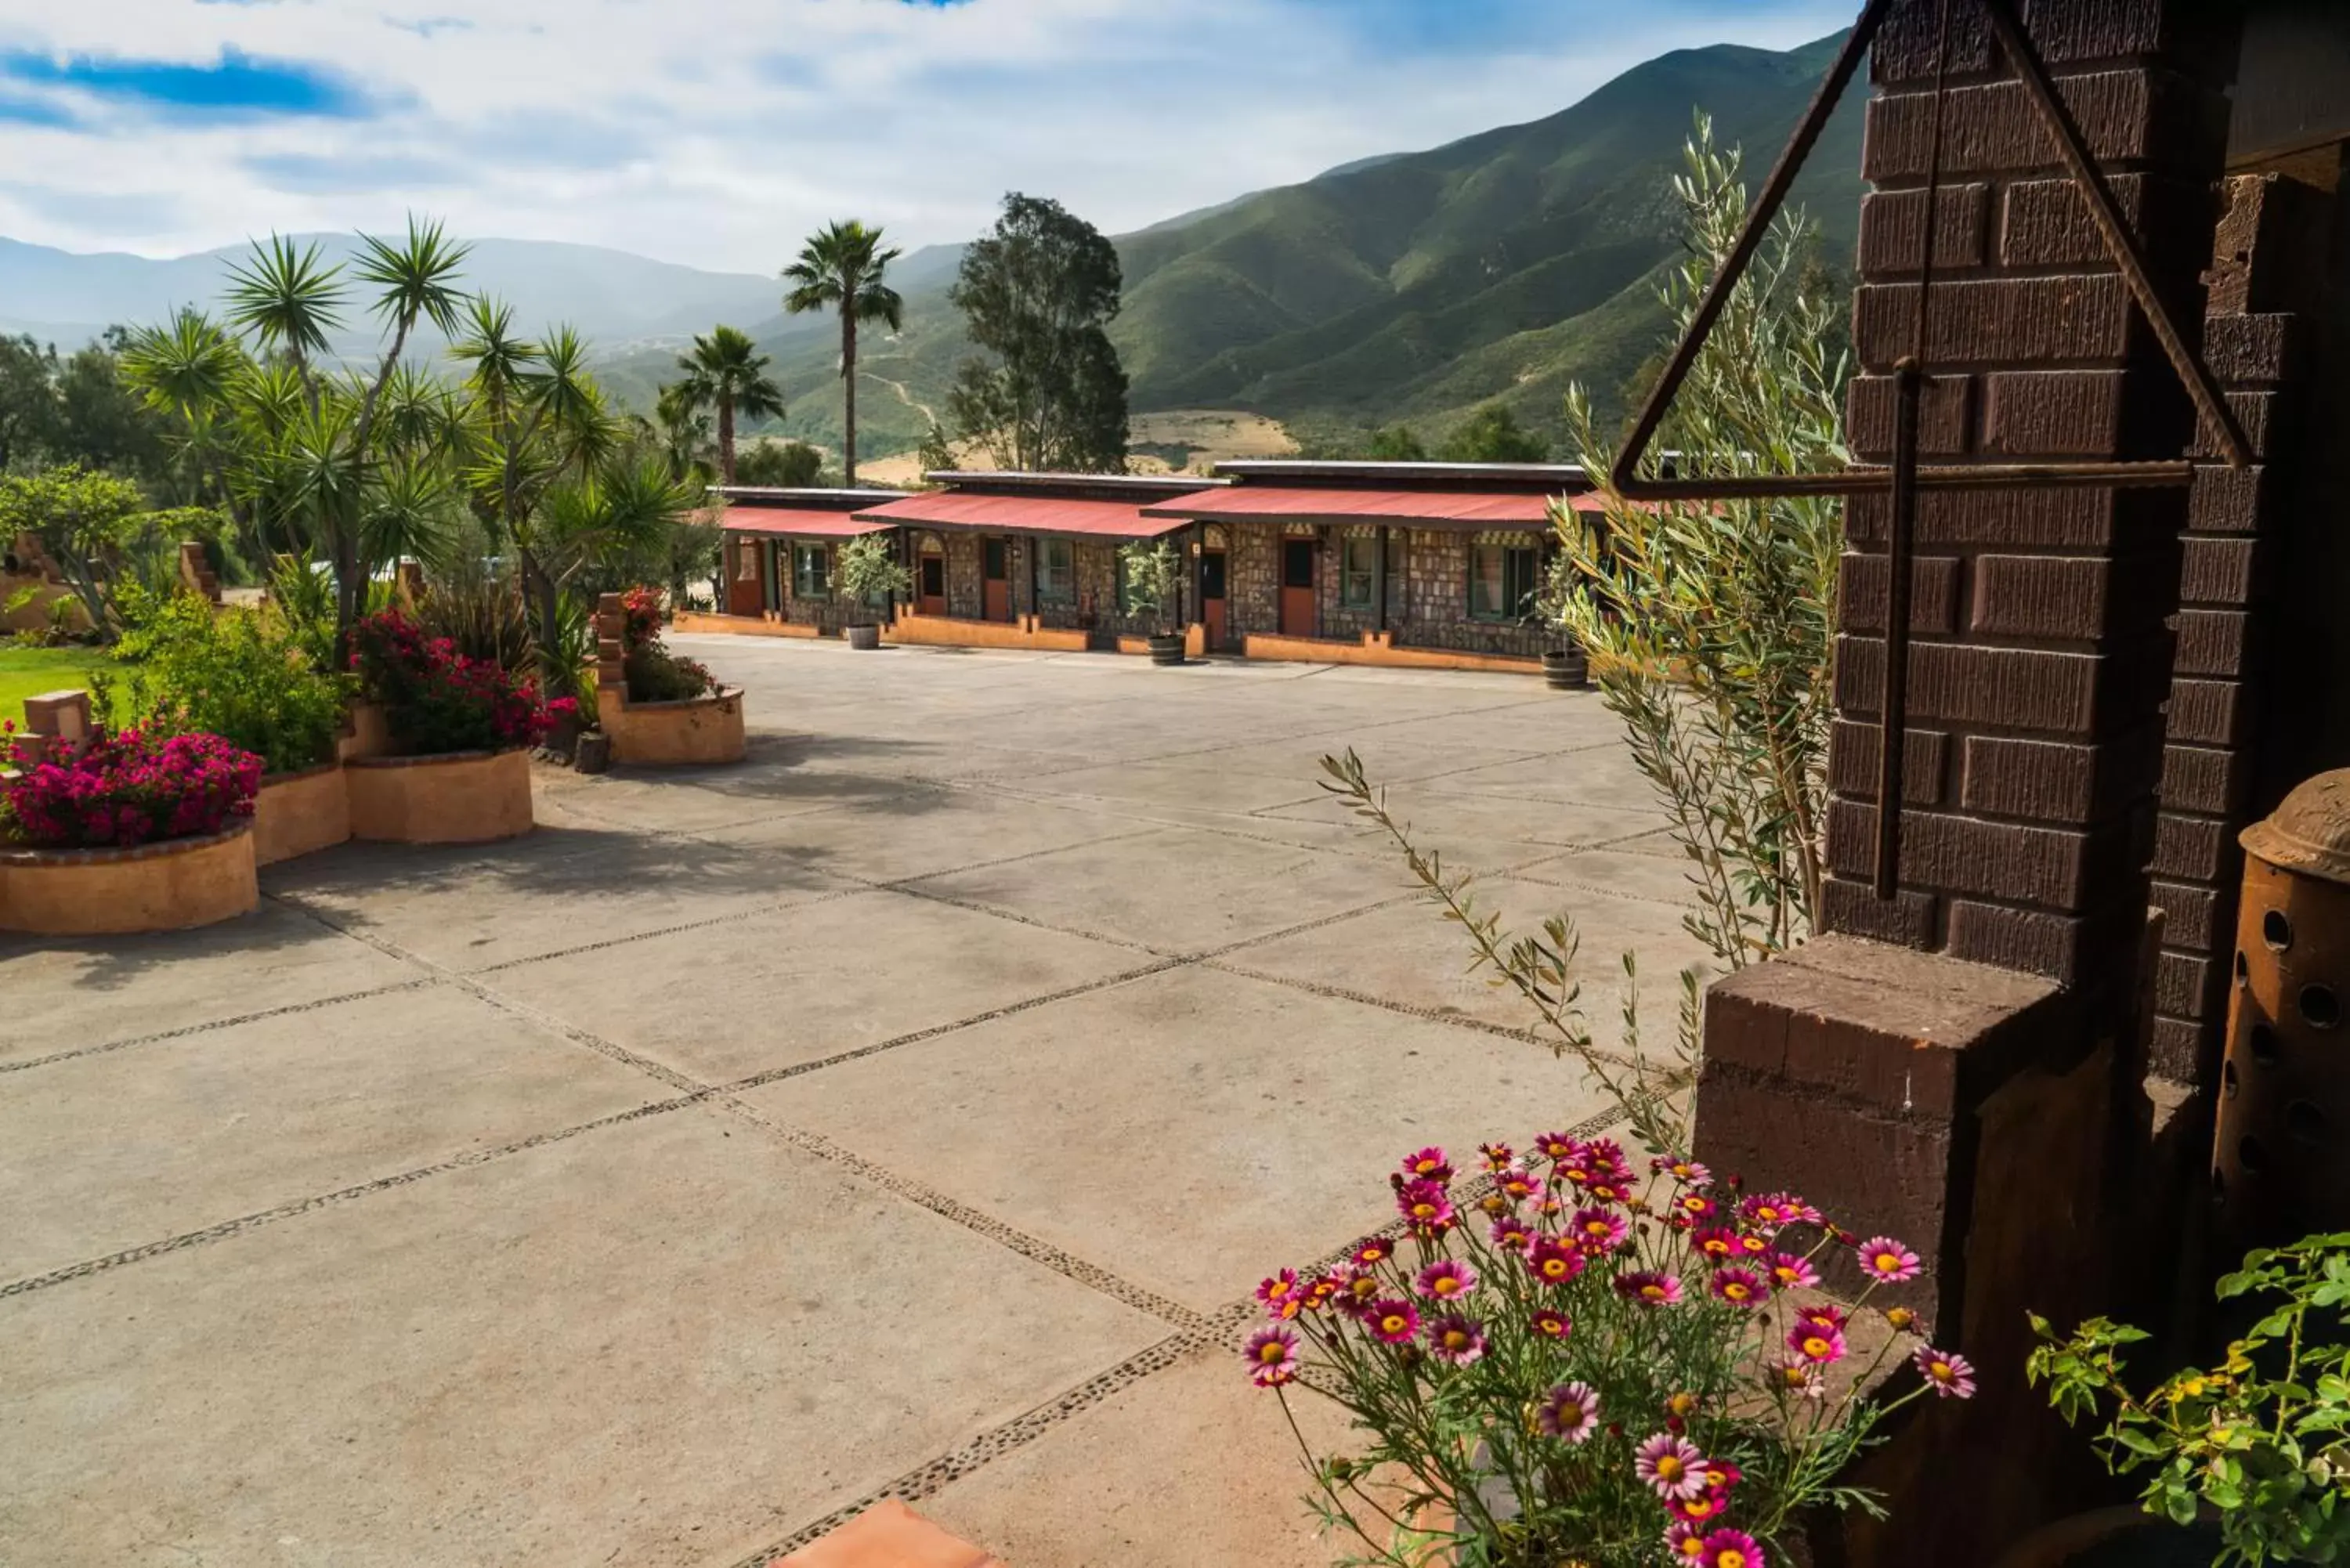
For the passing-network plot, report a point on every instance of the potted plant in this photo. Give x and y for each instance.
(666, 709)
(1564, 668)
(1558, 1360)
(1149, 571)
(2258, 1445)
(870, 570)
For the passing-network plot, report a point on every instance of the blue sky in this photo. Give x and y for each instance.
(717, 132)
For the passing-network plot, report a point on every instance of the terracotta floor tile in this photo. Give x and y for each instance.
(890, 1536)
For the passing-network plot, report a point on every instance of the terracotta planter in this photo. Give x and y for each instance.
(366, 732)
(166, 887)
(458, 797)
(700, 730)
(296, 814)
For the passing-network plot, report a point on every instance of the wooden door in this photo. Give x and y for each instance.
(1297, 588)
(1211, 596)
(996, 578)
(932, 586)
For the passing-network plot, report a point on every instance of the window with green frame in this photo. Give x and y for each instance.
(811, 571)
(1056, 571)
(1503, 580)
(1358, 571)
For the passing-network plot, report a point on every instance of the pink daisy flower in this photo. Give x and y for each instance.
(1272, 1355)
(1569, 1412)
(1393, 1322)
(1446, 1280)
(1519, 1184)
(1947, 1372)
(1372, 1250)
(1826, 1316)
(1357, 1291)
(1513, 1234)
(1886, 1260)
(1766, 1209)
(1697, 1206)
(1558, 1145)
(1598, 1232)
(1425, 1208)
(1671, 1464)
(1817, 1342)
(1716, 1241)
(1607, 1152)
(1797, 1378)
(1649, 1288)
(1552, 1262)
(1281, 1296)
(1739, 1287)
(1687, 1543)
(1455, 1339)
(1792, 1272)
(1721, 1476)
(1703, 1509)
(1552, 1324)
(1498, 1157)
(1730, 1548)
(1686, 1171)
(1319, 1293)
(1427, 1165)
(1755, 1245)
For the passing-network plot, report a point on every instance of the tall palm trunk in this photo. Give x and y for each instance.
(848, 375)
(726, 440)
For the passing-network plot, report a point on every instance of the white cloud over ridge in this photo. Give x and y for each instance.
(717, 132)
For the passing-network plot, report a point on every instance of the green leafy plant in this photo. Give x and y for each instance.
(2262, 1439)
(655, 672)
(100, 531)
(1710, 626)
(242, 674)
(1150, 574)
(870, 571)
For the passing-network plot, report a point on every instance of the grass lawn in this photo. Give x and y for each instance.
(29, 672)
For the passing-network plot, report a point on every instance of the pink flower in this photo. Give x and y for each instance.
(1558, 1147)
(1741, 1287)
(1359, 1289)
(1792, 1272)
(1497, 1156)
(1272, 1355)
(1281, 1297)
(1687, 1542)
(1393, 1322)
(1456, 1340)
(1446, 1280)
(1688, 1172)
(1371, 1249)
(1427, 1165)
(1518, 1184)
(1817, 1342)
(1886, 1260)
(1513, 1234)
(1425, 1208)
(1730, 1548)
(1696, 1206)
(1797, 1378)
(1825, 1316)
(1649, 1288)
(1598, 1232)
(1671, 1464)
(1552, 1324)
(1716, 1241)
(1946, 1372)
(1569, 1412)
(1552, 1262)
(1703, 1509)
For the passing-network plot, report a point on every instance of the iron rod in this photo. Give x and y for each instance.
(1938, 476)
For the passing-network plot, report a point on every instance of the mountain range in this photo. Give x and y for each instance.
(1407, 288)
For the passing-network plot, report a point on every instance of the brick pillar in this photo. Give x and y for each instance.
(2257, 330)
(2038, 653)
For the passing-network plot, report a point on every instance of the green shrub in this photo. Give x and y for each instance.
(243, 675)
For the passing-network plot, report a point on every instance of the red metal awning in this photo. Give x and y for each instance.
(1334, 504)
(804, 522)
(1026, 514)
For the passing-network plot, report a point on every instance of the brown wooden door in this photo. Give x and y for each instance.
(1297, 588)
(996, 599)
(932, 586)
(1211, 596)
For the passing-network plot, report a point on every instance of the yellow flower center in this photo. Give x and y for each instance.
(1731, 1558)
(1392, 1324)
(1652, 1291)
(1272, 1351)
(1669, 1467)
(1888, 1264)
(1815, 1346)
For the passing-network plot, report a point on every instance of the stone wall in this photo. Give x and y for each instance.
(1252, 582)
(966, 597)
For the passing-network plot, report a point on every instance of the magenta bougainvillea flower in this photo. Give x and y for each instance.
(1739, 1287)
(1569, 1412)
(1425, 1209)
(1730, 1548)
(1552, 1262)
(1446, 1280)
(1671, 1464)
(1281, 1296)
(1817, 1342)
(1649, 1288)
(1427, 1165)
(1272, 1355)
(1791, 1272)
(125, 790)
(1945, 1372)
(1598, 1232)
(1393, 1321)
(1552, 1324)
(1886, 1260)
(1455, 1339)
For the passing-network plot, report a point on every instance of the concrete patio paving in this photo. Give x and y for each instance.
(906, 1111)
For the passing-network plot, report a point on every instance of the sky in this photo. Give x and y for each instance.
(719, 133)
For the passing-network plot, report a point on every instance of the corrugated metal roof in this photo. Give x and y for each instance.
(1339, 504)
(1025, 514)
(804, 522)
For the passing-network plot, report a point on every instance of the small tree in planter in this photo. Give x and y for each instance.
(1150, 572)
(655, 672)
(869, 570)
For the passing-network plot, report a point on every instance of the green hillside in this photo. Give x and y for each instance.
(1409, 288)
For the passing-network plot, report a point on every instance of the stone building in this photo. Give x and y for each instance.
(782, 551)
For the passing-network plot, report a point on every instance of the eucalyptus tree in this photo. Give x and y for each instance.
(727, 374)
(842, 267)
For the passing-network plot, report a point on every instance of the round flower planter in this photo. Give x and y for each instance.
(166, 887)
(1565, 669)
(699, 731)
(867, 638)
(1167, 649)
(458, 797)
(296, 814)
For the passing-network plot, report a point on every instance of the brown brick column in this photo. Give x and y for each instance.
(2261, 282)
(2040, 655)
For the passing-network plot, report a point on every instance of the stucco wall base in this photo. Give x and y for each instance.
(954, 631)
(164, 887)
(467, 798)
(764, 624)
(296, 814)
(672, 734)
(1378, 647)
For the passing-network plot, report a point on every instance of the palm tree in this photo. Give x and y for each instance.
(726, 372)
(841, 267)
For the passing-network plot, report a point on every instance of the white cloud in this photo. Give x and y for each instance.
(718, 132)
